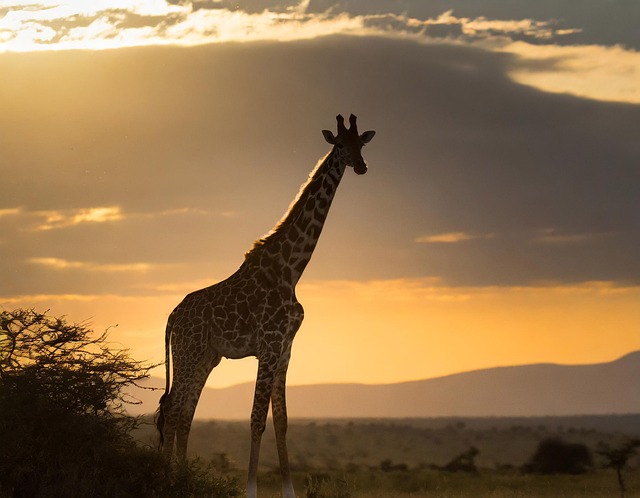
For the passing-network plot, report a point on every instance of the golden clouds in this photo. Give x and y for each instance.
(52, 219)
(551, 236)
(483, 27)
(544, 236)
(72, 217)
(10, 211)
(544, 59)
(55, 219)
(451, 238)
(591, 71)
(55, 25)
(63, 264)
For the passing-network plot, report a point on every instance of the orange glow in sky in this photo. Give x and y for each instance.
(394, 331)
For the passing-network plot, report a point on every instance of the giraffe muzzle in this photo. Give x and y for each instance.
(360, 168)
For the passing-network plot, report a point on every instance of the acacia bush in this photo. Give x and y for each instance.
(63, 428)
(617, 459)
(464, 462)
(555, 456)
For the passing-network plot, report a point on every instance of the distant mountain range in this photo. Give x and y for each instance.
(530, 390)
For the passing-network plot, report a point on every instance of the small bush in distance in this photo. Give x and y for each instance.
(618, 458)
(464, 462)
(555, 456)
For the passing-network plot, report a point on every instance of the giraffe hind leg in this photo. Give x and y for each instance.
(190, 394)
(279, 408)
(261, 401)
(167, 426)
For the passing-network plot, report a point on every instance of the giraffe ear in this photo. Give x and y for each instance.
(328, 136)
(367, 136)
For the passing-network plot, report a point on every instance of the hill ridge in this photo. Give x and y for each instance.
(539, 389)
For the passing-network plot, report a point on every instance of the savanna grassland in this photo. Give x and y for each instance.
(407, 457)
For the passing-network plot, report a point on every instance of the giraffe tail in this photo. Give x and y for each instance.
(159, 417)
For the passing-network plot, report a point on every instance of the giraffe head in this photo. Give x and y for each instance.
(348, 143)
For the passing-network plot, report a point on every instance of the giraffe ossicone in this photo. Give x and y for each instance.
(254, 312)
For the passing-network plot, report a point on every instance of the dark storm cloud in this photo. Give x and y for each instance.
(236, 129)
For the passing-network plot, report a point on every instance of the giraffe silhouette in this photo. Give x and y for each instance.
(254, 312)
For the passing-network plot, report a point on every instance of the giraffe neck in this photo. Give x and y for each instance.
(287, 249)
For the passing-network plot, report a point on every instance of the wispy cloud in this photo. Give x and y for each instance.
(422, 290)
(592, 71)
(63, 264)
(553, 236)
(10, 211)
(452, 238)
(451, 26)
(416, 290)
(65, 218)
(185, 211)
(37, 299)
(544, 236)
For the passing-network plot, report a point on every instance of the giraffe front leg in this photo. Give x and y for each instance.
(262, 397)
(279, 407)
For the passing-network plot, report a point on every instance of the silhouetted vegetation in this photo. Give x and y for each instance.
(617, 458)
(63, 431)
(555, 456)
(464, 462)
(418, 443)
(388, 466)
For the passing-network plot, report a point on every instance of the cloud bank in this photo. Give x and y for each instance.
(69, 24)
(571, 55)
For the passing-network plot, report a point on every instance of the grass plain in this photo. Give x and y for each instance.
(433, 484)
(400, 457)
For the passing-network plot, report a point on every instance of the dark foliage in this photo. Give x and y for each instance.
(618, 458)
(555, 456)
(464, 462)
(63, 431)
(388, 466)
(64, 363)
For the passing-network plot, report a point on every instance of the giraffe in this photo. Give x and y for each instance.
(254, 312)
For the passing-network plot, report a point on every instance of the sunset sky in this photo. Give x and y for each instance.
(145, 144)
